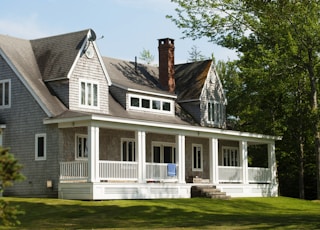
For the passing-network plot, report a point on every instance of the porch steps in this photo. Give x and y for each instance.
(208, 192)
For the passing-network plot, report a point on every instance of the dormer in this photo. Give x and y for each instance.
(200, 93)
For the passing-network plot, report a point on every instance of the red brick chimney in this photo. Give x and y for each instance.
(166, 64)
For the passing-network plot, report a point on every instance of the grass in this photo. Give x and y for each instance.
(195, 213)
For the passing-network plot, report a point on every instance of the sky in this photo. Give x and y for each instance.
(123, 27)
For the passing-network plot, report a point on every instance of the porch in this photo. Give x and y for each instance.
(119, 180)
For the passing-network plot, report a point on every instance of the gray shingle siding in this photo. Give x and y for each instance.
(88, 69)
(23, 120)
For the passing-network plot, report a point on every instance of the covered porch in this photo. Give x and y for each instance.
(143, 177)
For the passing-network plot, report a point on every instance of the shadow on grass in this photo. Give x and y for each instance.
(176, 213)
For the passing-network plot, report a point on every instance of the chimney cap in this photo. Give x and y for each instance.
(166, 41)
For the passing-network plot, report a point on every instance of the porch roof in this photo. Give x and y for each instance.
(119, 118)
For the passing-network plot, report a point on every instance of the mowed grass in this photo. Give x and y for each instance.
(195, 213)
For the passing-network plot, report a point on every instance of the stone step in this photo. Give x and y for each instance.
(209, 192)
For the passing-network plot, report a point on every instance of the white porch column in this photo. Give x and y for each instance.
(213, 158)
(140, 137)
(272, 164)
(93, 154)
(243, 146)
(180, 146)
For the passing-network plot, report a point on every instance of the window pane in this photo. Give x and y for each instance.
(95, 94)
(130, 151)
(85, 147)
(1, 93)
(124, 151)
(40, 146)
(156, 154)
(194, 157)
(156, 105)
(134, 102)
(89, 91)
(168, 156)
(146, 103)
(83, 93)
(166, 106)
(6, 93)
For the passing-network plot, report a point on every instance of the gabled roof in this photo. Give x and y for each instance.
(190, 79)
(18, 53)
(134, 76)
(56, 55)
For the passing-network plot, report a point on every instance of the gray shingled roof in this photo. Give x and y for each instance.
(20, 54)
(55, 55)
(134, 76)
(190, 79)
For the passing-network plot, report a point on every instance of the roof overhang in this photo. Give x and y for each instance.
(159, 127)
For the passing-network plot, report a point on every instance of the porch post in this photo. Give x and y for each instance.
(180, 142)
(140, 137)
(213, 160)
(243, 146)
(273, 168)
(93, 154)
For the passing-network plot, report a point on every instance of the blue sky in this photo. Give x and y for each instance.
(127, 26)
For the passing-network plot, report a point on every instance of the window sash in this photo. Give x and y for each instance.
(128, 150)
(81, 147)
(89, 94)
(197, 157)
(40, 146)
(230, 156)
(5, 94)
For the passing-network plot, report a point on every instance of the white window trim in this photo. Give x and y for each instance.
(76, 146)
(140, 108)
(37, 136)
(9, 102)
(235, 159)
(86, 81)
(128, 140)
(162, 145)
(201, 157)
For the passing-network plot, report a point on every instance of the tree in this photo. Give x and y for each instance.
(146, 56)
(9, 173)
(195, 54)
(279, 46)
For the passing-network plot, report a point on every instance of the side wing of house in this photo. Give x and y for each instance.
(213, 101)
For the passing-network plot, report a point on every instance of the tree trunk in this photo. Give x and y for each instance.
(301, 171)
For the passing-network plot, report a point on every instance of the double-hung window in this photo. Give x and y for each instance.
(5, 93)
(230, 156)
(89, 93)
(40, 146)
(197, 157)
(128, 150)
(81, 147)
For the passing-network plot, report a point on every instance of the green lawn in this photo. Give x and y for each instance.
(195, 213)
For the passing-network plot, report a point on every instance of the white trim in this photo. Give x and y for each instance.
(4, 81)
(144, 92)
(150, 99)
(201, 157)
(161, 145)
(134, 149)
(37, 136)
(76, 146)
(160, 127)
(25, 83)
(92, 82)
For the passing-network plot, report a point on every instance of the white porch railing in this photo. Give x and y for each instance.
(74, 170)
(118, 170)
(230, 174)
(159, 172)
(259, 175)
(124, 170)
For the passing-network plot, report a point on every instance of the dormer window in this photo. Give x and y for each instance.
(215, 113)
(151, 104)
(89, 93)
